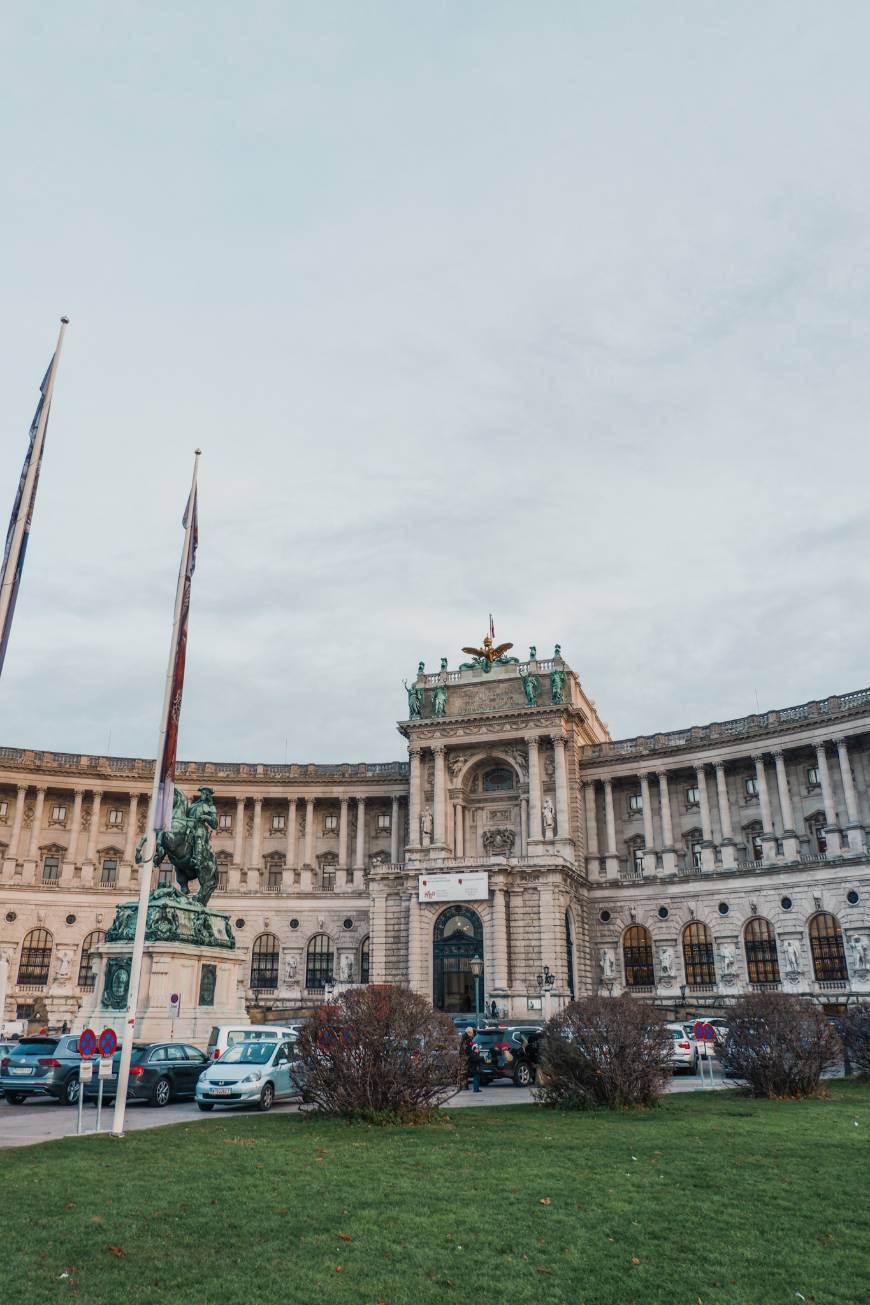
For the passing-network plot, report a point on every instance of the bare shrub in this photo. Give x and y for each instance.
(854, 1027)
(779, 1045)
(379, 1053)
(604, 1052)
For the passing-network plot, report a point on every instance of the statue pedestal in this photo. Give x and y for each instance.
(207, 980)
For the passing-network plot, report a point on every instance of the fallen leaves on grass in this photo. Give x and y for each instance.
(345, 1237)
(635, 1260)
(545, 1200)
(117, 1251)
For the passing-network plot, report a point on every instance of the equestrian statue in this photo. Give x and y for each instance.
(187, 844)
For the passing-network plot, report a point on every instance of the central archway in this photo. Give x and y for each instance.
(458, 938)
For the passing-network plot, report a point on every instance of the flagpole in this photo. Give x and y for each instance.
(25, 506)
(145, 866)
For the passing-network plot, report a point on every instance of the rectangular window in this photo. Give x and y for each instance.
(757, 847)
(164, 877)
(278, 822)
(818, 833)
(330, 824)
(58, 815)
(276, 879)
(637, 855)
(109, 873)
(116, 816)
(50, 870)
(225, 821)
(4, 809)
(693, 797)
(384, 822)
(635, 802)
(813, 780)
(750, 786)
(223, 882)
(696, 855)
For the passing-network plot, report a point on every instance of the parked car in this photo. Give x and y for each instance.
(251, 1073)
(44, 1066)
(684, 1053)
(224, 1036)
(706, 1050)
(501, 1052)
(160, 1072)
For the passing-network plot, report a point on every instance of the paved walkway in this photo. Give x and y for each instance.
(38, 1120)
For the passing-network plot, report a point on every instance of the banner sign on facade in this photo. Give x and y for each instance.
(454, 888)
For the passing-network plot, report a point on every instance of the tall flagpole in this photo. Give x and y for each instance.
(147, 856)
(23, 508)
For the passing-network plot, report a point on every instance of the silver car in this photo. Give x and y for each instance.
(250, 1073)
(42, 1066)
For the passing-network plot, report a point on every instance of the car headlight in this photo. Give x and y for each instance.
(252, 1078)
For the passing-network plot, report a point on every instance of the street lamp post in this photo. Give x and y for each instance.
(476, 970)
(545, 987)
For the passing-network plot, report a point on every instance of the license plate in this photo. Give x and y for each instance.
(219, 1092)
(19, 1070)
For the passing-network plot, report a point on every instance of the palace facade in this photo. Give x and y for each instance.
(518, 856)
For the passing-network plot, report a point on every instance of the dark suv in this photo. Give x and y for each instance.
(159, 1073)
(509, 1051)
(43, 1066)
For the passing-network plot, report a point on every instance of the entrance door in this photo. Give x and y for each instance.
(458, 939)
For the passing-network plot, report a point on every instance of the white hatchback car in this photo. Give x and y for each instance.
(684, 1054)
(250, 1073)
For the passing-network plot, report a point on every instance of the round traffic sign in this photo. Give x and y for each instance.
(108, 1042)
(87, 1042)
(703, 1032)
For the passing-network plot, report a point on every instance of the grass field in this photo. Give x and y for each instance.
(711, 1197)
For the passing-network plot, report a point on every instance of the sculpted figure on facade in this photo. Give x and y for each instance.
(860, 952)
(728, 962)
(557, 686)
(439, 700)
(607, 961)
(292, 966)
(415, 700)
(792, 953)
(531, 688)
(666, 963)
(346, 971)
(548, 812)
(426, 826)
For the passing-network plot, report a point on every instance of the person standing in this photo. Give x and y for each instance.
(470, 1058)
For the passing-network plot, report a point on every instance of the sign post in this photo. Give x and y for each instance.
(104, 1069)
(86, 1073)
(703, 1031)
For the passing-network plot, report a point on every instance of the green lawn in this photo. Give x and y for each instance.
(711, 1197)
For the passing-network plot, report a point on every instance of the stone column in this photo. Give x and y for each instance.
(708, 856)
(498, 981)
(458, 831)
(535, 829)
(669, 856)
(292, 829)
(91, 848)
(612, 860)
(130, 845)
(239, 833)
(76, 829)
(790, 844)
(593, 864)
(36, 826)
(343, 824)
(15, 836)
(524, 825)
(768, 837)
(394, 831)
(378, 939)
(832, 829)
(563, 819)
(257, 840)
(439, 815)
(414, 924)
(649, 838)
(854, 828)
(308, 854)
(414, 799)
(359, 860)
(729, 858)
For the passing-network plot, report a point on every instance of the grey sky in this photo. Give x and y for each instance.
(557, 310)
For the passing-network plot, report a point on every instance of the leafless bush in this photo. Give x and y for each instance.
(604, 1052)
(779, 1045)
(379, 1053)
(854, 1028)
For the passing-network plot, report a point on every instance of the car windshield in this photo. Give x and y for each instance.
(249, 1053)
(237, 1036)
(35, 1047)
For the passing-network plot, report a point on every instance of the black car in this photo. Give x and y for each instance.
(160, 1072)
(508, 1051)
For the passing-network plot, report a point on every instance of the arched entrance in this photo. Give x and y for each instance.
(458, 939)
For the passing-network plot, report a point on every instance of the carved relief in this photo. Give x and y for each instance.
(498, 842)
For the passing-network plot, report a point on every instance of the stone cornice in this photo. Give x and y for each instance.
(544, 718)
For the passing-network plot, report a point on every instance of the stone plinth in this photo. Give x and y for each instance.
(208, 980)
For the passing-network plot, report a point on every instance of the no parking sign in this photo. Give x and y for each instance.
(87, 1042)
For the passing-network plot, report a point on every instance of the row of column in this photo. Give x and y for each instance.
(38, 836)
(534, 826)
(788, 835)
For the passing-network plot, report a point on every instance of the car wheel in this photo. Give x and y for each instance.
(70, 1094)
(15, 1098)
(162, 1092)
(205, 1105)
(267, 1098)
(523, 1075)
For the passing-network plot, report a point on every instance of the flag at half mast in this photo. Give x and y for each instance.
(25, 498)
(175, 673)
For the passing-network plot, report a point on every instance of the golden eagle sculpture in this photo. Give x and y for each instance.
(491, 652)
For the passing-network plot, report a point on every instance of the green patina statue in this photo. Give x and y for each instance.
(415, 700)
(531, 688)
(557, 686)
(187, 844)
(439, 700)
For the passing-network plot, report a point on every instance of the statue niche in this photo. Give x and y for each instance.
(491, 805)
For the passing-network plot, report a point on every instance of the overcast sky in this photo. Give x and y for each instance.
(558, 311)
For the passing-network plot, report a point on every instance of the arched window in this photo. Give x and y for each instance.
(364, 961)
(762, 962)
(457, 946)
(826, 945)
(35, 958)
(87, 971)
(569, 952)
(698, 956)
(319, 961)
(637, 958)
(264, 962)
(498, 780)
